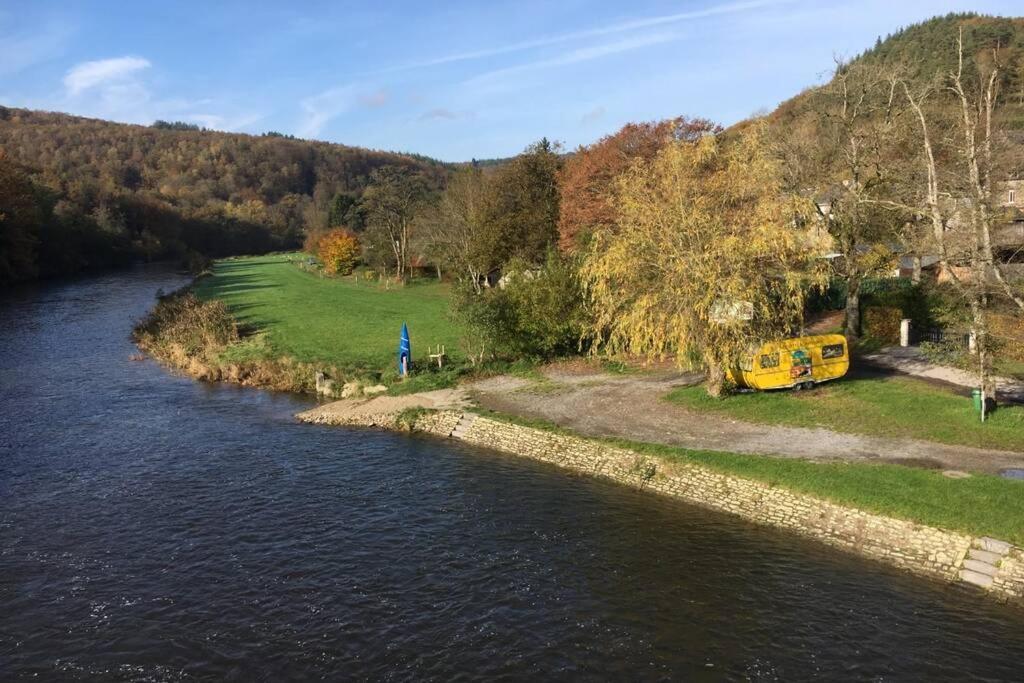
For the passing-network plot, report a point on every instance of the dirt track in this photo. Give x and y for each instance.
(630, 406)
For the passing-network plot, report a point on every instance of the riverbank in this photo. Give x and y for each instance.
(242, 342)
(711, 479)
(149, 509)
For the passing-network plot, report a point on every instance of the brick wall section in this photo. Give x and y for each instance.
(914, 547)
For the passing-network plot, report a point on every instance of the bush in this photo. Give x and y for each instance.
(883, 324)
(832, 298)
(338, 250)
(1008, 330)
(539, 314)
(946, 352)
(914, 301)
(187, 325)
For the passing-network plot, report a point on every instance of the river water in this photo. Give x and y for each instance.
(155, 528)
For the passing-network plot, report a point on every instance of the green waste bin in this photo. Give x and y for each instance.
(976, 397)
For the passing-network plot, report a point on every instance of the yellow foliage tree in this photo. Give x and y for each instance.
(706, 259)
(338, 250)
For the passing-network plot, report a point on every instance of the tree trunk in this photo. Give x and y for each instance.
(715, 384)
(852, 323)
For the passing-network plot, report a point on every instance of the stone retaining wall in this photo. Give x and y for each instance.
(440, 423)
(914, 547)
(1010, 579)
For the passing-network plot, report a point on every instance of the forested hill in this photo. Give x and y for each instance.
(78, 193)
(921, 51)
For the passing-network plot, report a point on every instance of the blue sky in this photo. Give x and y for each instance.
(453, 80)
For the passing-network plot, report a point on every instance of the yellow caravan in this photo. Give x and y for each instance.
(799, 362)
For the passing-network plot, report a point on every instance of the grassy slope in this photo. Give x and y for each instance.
(335, 321)
(979, 505)
(891, 406)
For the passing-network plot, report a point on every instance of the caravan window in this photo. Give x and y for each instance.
(832, 351)
(770, 360)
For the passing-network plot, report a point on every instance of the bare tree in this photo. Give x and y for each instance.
(392, 203)
(960, 167)
(841, 155)
(452, 228)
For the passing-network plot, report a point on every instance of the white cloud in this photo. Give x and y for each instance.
(218, 122)
(319, 109)
(118, 89)
(102, 72)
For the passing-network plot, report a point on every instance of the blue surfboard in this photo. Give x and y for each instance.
(404, 351)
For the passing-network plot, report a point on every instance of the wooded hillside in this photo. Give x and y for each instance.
(104, 193)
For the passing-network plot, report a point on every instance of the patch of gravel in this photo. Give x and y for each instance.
(630, 406)
(351, 410)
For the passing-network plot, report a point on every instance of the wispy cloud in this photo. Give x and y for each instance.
(19, 51)
(576, 56)
(375, 99)
(319, 109)
(439, 113)
(118, 70)
(620, 27)
(593, 116)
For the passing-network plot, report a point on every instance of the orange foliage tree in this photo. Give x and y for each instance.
(587, 180)
(338, 250)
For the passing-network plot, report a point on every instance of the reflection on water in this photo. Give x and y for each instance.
(153, 528)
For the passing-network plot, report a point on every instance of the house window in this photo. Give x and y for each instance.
(1013, 197)
(832, 351)
(770, 360)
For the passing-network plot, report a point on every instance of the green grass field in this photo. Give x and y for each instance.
(979, 505)
(338, 321)
(882, 406)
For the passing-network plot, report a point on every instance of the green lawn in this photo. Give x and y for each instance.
(979, 505)
(338, 321)
(889, 406)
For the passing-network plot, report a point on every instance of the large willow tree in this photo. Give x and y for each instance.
(707, 258)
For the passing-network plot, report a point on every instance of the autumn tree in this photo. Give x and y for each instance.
(703, 260)
(587, 180)
(338, 250)
(392, 202)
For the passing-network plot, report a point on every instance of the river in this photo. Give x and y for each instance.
(156, 528)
